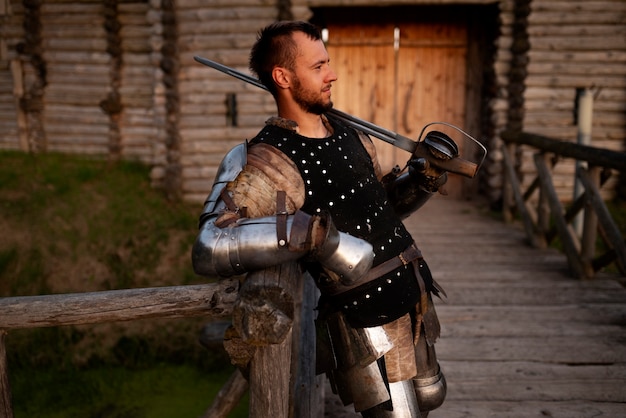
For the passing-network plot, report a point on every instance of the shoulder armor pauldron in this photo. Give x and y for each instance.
(229, 168)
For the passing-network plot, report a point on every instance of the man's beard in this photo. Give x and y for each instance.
(308, 101)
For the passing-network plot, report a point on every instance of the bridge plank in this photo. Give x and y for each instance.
(530, 381)
(530, 409)
(520, 336)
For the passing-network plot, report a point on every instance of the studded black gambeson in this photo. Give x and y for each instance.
(339, 179)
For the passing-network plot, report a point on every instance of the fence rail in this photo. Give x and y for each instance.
(214, 301)
(272, 313)
(545, 218)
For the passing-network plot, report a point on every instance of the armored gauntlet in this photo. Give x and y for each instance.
(408, 191)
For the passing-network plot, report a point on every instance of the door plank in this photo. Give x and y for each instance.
(402, 89)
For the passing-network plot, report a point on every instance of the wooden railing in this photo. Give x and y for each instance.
(545, 218)
(210, 300)
(272, 313)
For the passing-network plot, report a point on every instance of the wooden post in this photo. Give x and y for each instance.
(589, 226)
(571, 245)
(584, 103)
(508, 195)
(308, 395)
(6, 410)
(270, 380)
(271, 316)
(228, 397)
(543, 207)
(514, 189)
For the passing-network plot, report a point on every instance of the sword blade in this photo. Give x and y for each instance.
(369, 128)
(455, 165)
(230, 71)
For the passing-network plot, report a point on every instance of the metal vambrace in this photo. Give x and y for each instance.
(252, 244)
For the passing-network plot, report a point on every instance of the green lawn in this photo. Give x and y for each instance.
(160, 391)
(75, 224)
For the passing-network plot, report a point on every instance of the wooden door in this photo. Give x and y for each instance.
(401, 77)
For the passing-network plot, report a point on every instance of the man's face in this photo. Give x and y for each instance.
(312, 76)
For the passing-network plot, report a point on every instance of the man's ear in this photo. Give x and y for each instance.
(281, 77)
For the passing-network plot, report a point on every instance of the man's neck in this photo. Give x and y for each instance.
(313, 127)
(309, 124)
(293, 125)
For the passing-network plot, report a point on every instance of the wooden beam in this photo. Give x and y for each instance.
(568, 238)
(590, 223)
(594, 156)
(228, 397)
(307, 396)
(6, 409)
(271, 330)
(531, 231)
(275, 316)
(610, 229)
(210, 300)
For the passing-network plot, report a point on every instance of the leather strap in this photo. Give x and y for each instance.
(281, 218)
(300, 237)
(230, 204)
(234, 212)
(405, 257)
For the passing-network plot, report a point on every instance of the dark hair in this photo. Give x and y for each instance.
(275, 47)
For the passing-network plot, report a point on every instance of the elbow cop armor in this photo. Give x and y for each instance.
(252, 244)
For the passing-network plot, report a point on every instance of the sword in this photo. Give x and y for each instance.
(454, 165)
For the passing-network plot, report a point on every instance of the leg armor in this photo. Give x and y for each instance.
(430, 383)
(350, 358)
(405, 382)
(418, 396)
(403, 403)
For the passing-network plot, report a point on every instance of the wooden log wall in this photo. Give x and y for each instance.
(74, 50)
(85, 72)
(139, 78)
(11, 88)
(576, 44)
(20, 33)
(117, 78)
(493, 175)
(224, 31)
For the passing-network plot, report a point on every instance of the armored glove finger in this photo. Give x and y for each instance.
(426, 175)
(417, 166)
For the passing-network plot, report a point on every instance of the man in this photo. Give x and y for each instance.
(309, 188)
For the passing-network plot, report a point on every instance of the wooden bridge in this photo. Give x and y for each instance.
(520, 336)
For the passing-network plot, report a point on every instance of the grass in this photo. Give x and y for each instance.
(617, 208)
(160, 391)
(76, 210)
(78, 224)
